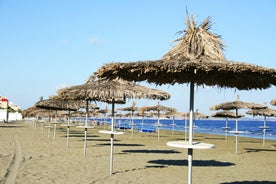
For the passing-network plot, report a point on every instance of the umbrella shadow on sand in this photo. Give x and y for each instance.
(196, 163)
(250, 182)
(81, 135)
(107, 144)
(151, 151)
(249, 150)
(7, 126)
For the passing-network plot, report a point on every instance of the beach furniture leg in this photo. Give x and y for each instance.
(158, 133)
(84, 144)
(236, 143)
(55, 127)
(190, 165)
(67, 139)
(237, 134)
(191, 131)
(49, 130)
(264, 137)
(111, 153)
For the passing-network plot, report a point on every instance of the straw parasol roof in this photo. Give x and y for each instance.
(103, 111)
(131, 108)
(157, 108)
(262, 112)
(226, 114)
(198, 59)
(38, 112)
(196, 115)
(27, 112)
(105, 90)
(273, 102)
(236, 105)
(58, 104)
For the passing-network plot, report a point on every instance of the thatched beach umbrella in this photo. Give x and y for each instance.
(158, 108)
(132, 109)
(236, 105)
(273, 102)
(196, 115)
(265, 112)
(172, 114)
(39, 113)
(197, 59)
(143, 114)
(104, 112)
(111, 91)
(29, 111)
(55, 104)
(226, 114)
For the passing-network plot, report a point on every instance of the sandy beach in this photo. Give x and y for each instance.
(27, 155)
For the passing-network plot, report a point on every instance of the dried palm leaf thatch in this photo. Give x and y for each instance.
(196, 115)
(198, 57)
(273, 102)
(262, 112)
(157, 108)
(197, 43)
(106, 90)
(103, 111)
(42, 113)
(28, 112)
(130, 108)
(237, 105)
(58, 104)
(226, 114)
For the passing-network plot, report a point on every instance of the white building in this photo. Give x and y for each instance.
(9, 111)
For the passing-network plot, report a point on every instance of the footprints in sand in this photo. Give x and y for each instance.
(16, 164)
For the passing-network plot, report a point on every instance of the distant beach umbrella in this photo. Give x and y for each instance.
(196, 115)
(198, 59)
(132, 109)
(226, 114)
(104, 113)
(236, 105)
(158, 108)
(265, 112)
(172, 114)
(28, 112)
(39, 113)
(273, 102)
(111, 91)
(143, 114)
(56, 103)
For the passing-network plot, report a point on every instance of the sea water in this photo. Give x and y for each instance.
(247, 127)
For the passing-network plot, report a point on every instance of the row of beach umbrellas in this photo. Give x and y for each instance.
(197, 59)
(104, 90)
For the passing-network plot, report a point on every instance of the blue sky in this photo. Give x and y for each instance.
(46, 45)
